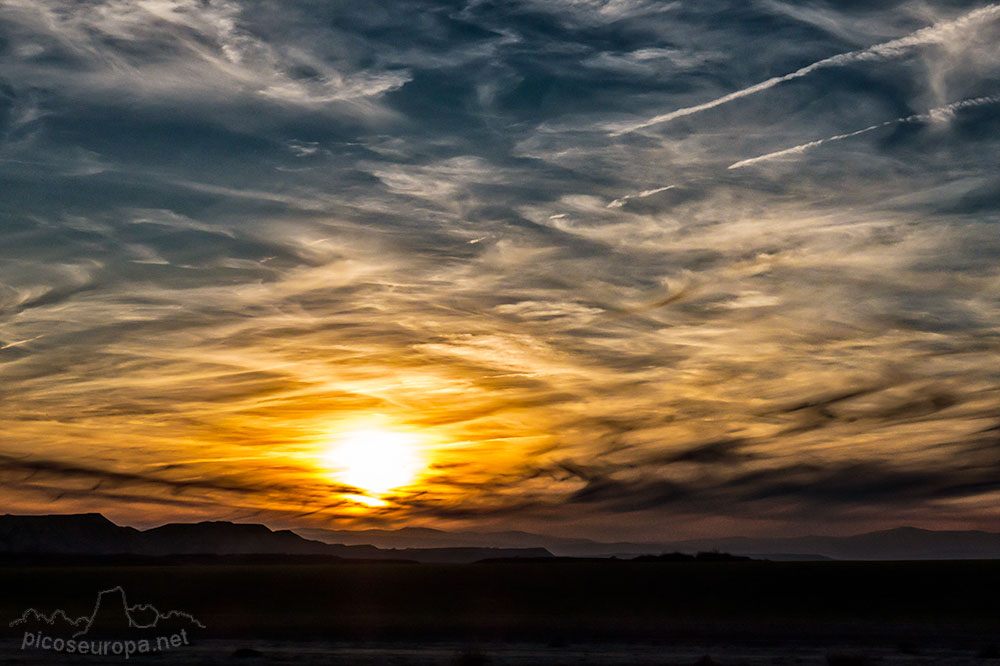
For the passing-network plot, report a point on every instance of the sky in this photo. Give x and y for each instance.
(624, 269)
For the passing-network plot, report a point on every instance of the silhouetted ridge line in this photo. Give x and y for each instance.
(91, 536)
(902, 543)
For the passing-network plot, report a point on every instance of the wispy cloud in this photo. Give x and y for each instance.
(938, 33)
(177, 49)
(939, 114)
(229, 232)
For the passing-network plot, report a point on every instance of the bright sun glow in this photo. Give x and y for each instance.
(375, 461)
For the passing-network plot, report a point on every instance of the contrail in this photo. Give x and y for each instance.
(936, 114)
(618, 203)
(933, 34)
(18, 343)
(948, 110)
(794, 150)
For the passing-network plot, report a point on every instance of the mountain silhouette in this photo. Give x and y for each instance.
(424, 538)
(232, 538)
(89, 533)
(94, 535)
(903, 543)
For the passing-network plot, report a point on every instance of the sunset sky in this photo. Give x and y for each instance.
(625, 269)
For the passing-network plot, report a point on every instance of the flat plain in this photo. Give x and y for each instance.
(608, 612)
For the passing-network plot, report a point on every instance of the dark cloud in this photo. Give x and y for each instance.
(799, 489)
(34, 469)
(723, 451)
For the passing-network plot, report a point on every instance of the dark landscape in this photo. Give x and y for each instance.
(251, 595)
(911, 608)
(94, 535)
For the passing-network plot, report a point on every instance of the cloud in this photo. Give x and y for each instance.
(164, 51)
(231, 230)
(723, 451)
(938, 33)
(817, 490)
(936, 115)
(603, 11)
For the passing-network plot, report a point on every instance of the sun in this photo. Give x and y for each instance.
(375, 460)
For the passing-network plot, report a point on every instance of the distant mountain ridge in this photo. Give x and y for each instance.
(902, 543)
(426, 537)
(93, 535)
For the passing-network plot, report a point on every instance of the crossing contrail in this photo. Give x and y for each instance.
(939, 113)
(933, 34)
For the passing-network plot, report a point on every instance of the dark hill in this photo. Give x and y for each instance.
(89, 535)
(903, 543)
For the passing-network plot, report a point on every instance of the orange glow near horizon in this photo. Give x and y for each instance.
(365, 500)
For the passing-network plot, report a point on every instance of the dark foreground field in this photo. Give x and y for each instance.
(629, 612)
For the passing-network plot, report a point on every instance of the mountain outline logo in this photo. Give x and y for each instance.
(113, 627)
(87, 621)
